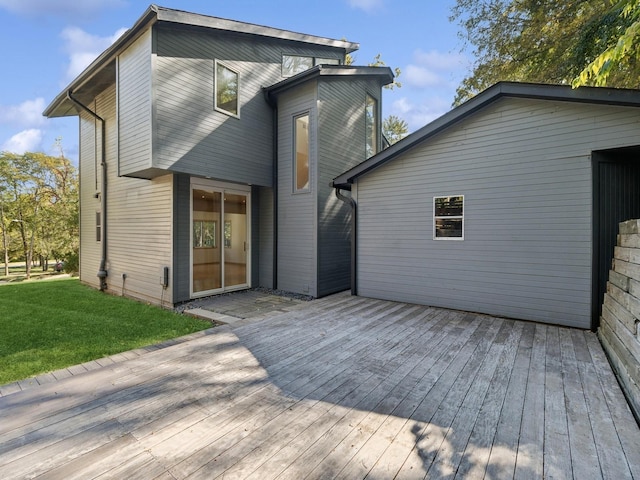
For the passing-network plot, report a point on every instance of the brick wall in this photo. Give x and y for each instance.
(620, 319)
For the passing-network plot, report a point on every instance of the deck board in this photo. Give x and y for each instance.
(341, 387)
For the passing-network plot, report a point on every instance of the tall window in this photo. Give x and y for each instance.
(227, 90)
(301, 149)
(371, 125)
(448, 218)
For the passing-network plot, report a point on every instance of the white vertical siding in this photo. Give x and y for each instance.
(297, 218)
(524, 167)
(134, 106)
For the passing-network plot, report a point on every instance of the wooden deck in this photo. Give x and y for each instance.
(342, 387)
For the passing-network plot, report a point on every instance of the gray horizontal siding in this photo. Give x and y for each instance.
(297, 218)
(525, 170)
(139, 221)
(134, 106)
(191, 136)
(342, 103)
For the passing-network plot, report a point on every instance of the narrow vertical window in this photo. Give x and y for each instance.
(301, 155)
(98, 227)
(448, 218)
(227, 82)
(371, 125)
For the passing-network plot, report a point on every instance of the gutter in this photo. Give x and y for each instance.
(354, 236)
(102, 271)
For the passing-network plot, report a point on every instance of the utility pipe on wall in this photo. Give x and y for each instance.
(102, 271)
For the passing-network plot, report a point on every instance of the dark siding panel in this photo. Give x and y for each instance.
(181, 246)
(264, 220)
(617, 190)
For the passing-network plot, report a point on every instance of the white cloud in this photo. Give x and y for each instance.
(420, 77)
(440, 61)
(27, 114)
(418, 115)
(433, 68)
(369, 6)
(25, 141)
(84, 47)
(62, 8)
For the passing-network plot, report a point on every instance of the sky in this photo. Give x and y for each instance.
(45, 44)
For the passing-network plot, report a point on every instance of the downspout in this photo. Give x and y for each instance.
(102, 271)
(354, 237)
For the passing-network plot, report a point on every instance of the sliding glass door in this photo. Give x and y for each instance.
(220, 226)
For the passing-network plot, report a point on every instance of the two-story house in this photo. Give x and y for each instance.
(207, 150)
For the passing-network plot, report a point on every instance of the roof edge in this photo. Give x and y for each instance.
(384, 73)
(188, 18)
(564, 93)
(155, 13)
(148, 17)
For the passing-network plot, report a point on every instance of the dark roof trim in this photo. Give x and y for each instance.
(155, 14)
(188, 18)
(594, 95)
(384, 74)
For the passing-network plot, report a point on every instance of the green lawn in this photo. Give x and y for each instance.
(47, 325)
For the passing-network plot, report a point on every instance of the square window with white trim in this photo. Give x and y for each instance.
(448, 217)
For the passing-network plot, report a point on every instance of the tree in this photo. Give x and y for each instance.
(545, 41)
(39, 207)
(394, 129)
(619, 60)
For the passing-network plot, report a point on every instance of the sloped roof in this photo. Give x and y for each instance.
(102, 72)
(593, 95)
(384, 74)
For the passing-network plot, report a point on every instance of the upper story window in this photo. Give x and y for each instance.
(371, 125)
(294, 64)
(448, 218)
(227, 90)
(301, 154)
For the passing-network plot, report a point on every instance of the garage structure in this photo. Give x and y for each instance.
(506, 205)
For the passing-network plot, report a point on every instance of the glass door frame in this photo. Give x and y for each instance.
(222, 188)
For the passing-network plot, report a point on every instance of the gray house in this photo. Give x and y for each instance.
(207, 149)
(507, 205)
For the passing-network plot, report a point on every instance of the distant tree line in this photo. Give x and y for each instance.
(38, 210)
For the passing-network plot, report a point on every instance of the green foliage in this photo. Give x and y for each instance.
(38, 207)
(72, 263)
(394, 129)
(47, 325)
(544, 41)
(617, 61)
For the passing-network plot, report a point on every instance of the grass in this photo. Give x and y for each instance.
(48, 325)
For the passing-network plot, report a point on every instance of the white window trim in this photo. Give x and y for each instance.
(215, 89)
(433, 206)
(376, 126)
(314, 61)
(296, 190)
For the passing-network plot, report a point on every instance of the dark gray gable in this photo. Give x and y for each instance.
(593, 95)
